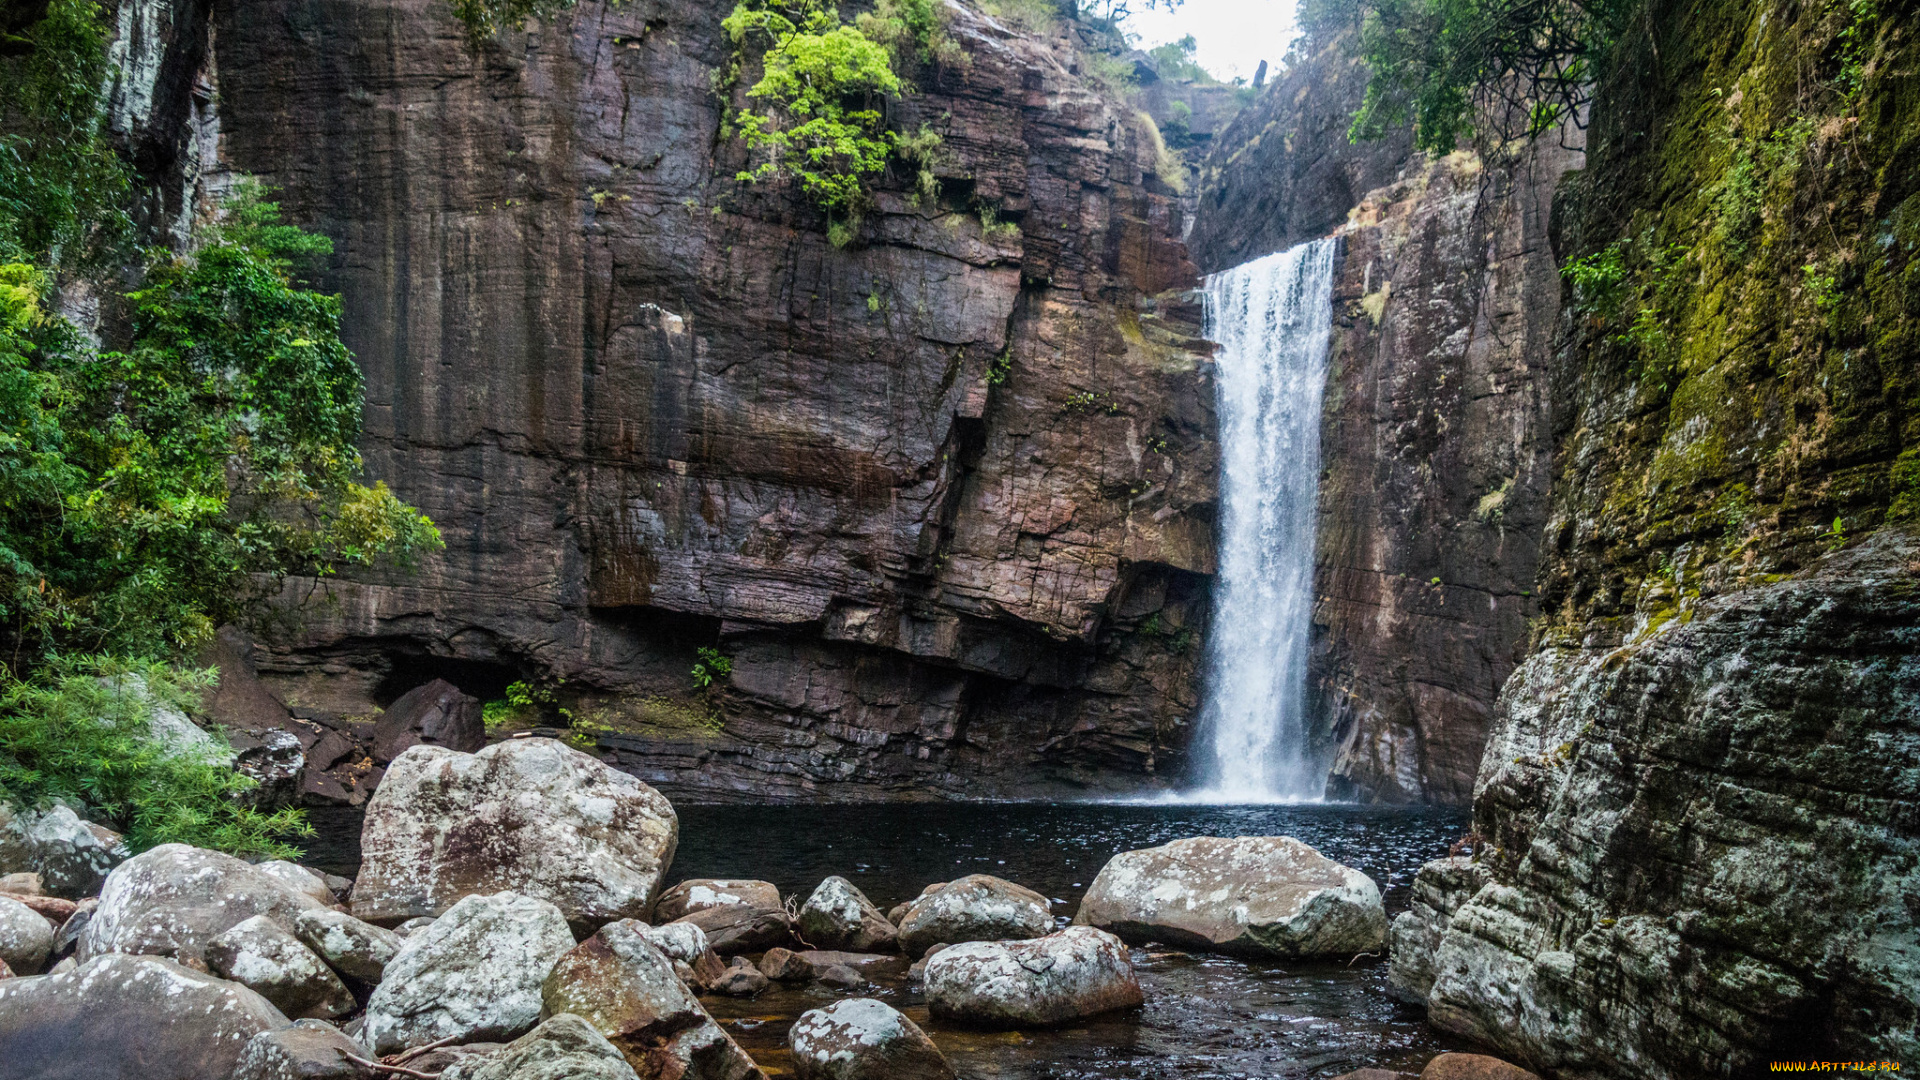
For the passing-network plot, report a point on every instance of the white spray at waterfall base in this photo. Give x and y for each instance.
(1272, 319)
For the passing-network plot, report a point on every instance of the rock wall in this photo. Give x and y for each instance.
(1698, 843)
(943, 496)
(1436, 439)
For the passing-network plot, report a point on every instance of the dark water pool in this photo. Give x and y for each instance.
(1205, 1016)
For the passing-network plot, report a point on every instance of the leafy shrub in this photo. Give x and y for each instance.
(74, 732)
(711, 668)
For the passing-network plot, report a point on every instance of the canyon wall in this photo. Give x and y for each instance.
(944, 496)
(1698, 842)
(1435, 445)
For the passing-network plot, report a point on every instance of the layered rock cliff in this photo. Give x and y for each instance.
(1695, 807)
(1435, 443)
(943, 496)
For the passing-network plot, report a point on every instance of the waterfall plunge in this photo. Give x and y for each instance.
(1272, 319)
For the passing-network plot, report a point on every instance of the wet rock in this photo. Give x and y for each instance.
(871, 965)
(1251, 895)
(276, 762)
(265, 957)
(974, 908)
(302, 1052)
(474, 974)
(1372, 1074)
(564, 1047)
(740, 979)
(357, 950)
(1473, 1067)
(784, 965)
(526, 815)
(839, 916)
(436, 714)
(1440, 889)
(26, 937)
(174, 899)
(742, 928)
(699, 894)
(71, 856)
(1075, 973)
(118, 1017)
(839, 976)
(627, 990)
(863, 1039)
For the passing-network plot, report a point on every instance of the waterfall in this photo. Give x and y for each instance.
(1272, 319)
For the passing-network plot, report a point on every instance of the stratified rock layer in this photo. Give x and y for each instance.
(944, 495)
(1702, 843)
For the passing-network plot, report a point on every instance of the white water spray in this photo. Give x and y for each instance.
(1272, 319)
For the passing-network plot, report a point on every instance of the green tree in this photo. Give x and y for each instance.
(1452, 67)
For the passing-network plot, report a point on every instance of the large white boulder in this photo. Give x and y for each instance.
(122, 1017)
(265, 957)
(978, 907)
(625, 987)
(839, 916)
(174, 899)
(357, 950)
(1250, 895)
(863, 1039)
(532, 816)
(1062, 977)
(474, 975)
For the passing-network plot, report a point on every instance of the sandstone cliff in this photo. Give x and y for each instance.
(943, 496)
(1696, 800)
(1435, 442)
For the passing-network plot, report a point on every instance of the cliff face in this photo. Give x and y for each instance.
(1435, 440)
(1696, 801)
(944, 496)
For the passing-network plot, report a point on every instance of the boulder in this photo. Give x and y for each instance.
(444, 1058)
(627, 990)
(356, 949)
(530, 815)
(306, 1051)
(899, 911)
(740, 979)
(1441, 888)
(301, 880)
(699, 894)
(436, 714)
(974, 908)
(23, 884)
(26, 937)
(813, 962)
(275, 761)
(1372, 1074)
(51, 908)
(564, 1047)
(784, 965)
(839, 916)
(71, 856)
(1473, 1067)
(265, 957)
(677, 941)
(475, 974)
(123, 1017)
(174, 899)
(411, 926)
(1251, 896)
(840, 977)
(741, 928)
(1075, 973)
(863, 1039)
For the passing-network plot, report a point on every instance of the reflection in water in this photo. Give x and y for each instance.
(1205, 1016)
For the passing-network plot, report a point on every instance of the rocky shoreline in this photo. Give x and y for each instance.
(509, 921)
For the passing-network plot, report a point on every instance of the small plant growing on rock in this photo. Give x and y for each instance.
(712, 667)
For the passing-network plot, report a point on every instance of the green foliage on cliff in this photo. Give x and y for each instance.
(61, 186)
(1451, 67)
(143, 490)
(74, 732)
(1745, 306)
